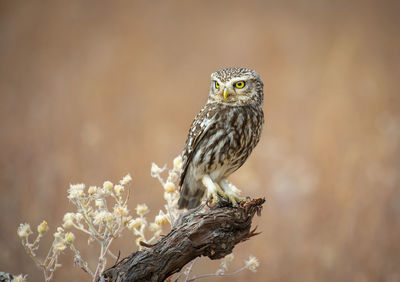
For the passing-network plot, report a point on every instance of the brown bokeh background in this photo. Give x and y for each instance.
(93, 90)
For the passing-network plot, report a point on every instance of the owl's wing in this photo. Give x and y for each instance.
(200, 125)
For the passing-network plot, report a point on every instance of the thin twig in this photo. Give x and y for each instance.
(189, 269)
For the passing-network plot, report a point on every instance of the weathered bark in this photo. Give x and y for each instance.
(204, 231)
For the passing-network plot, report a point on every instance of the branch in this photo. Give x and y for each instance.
(204, 231)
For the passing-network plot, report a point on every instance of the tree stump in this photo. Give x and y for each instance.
(204, 231)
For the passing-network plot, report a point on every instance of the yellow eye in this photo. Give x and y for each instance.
(216, 85)
(239, 84)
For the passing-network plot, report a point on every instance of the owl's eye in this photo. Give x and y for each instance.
(216, 85)
(239, 84)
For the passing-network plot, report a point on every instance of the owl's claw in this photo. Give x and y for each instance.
(234, 199)
(231, 193)
(228, 192)
(215, 193)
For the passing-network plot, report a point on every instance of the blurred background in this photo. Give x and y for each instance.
(90, 91)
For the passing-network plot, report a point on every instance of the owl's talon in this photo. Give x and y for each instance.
(228, 193)
(231, 193)
(235, 200)
(214, 195)
(208, 203)
(222, 194)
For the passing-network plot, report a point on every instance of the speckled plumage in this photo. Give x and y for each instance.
(223, 133)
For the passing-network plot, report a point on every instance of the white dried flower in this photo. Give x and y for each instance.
(127, 179)
(59, 246)
(92, 190)
(24, 230)
(120, 210)
(69, 216)
(42, 228)
(119, 189)
(68, 220)
(136, 223)
(69, 237)
(142, 209)
(99, 203)
(172, 176)
(78, 217)
(178, 163)
(76, 191)
(98, 217)
(154, 227)
(59, 234)
(161, 219)
(167, 196)
(169, 187)
(109, 217)
(155, 170)
(102, 216)
(252, 264)
(107, 185)
(125, 220)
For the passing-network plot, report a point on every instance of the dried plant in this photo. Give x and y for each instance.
(102, 214)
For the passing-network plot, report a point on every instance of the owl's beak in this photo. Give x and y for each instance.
(225, 93)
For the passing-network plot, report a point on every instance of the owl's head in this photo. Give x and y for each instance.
(237, 86)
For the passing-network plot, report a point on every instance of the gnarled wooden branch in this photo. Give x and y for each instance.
(204, 231)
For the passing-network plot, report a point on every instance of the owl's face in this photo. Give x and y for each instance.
(236, 86)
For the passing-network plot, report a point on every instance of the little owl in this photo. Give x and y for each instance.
(222, 136)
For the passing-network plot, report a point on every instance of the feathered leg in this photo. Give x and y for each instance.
(230, 192)
(213, 189)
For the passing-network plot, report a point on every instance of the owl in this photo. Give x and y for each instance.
(222, 136)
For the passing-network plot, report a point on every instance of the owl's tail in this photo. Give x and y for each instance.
(191, 194)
